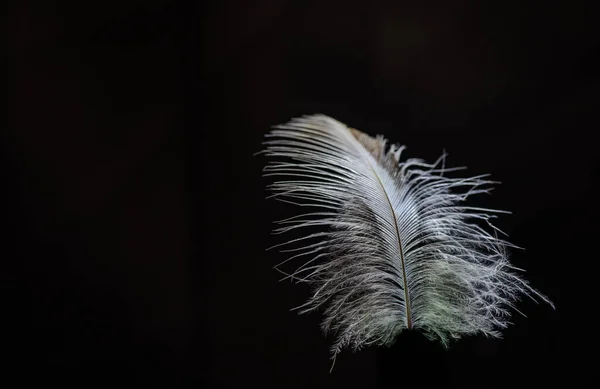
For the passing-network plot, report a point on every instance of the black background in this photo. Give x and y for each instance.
(136, 223)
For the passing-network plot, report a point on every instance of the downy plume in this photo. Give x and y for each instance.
(398, 248)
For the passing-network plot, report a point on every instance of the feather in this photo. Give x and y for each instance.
(399, 249)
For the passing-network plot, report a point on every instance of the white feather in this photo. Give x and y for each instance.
(401, 249)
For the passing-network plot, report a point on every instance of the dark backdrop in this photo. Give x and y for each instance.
(135, 220)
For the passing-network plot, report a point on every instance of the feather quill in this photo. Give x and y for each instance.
(401, 250)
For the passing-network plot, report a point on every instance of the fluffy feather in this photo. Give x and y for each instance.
(401, 249)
